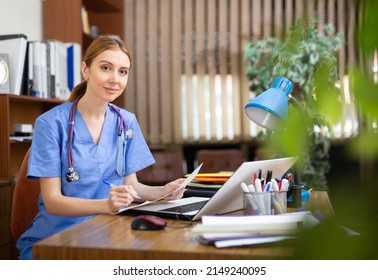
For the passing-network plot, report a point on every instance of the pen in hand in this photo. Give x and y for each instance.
(134, 194)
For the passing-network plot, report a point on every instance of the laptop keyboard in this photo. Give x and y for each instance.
(186, 208)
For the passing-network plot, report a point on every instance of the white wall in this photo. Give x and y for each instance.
(21, 16)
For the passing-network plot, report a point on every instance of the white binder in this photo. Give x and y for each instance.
(15, 46)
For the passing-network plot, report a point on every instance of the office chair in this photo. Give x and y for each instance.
(220, 159)
(25, 200)
(169, 166)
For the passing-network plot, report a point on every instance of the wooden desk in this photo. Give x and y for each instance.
(111, 237)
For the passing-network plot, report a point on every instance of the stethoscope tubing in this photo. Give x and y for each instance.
(71, 123)
(72, 175)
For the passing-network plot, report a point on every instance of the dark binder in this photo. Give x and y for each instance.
(27, 77)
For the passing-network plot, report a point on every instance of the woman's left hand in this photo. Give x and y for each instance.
(171, 187)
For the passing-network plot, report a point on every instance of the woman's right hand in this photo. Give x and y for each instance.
(120, 197)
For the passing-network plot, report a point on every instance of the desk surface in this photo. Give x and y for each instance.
(111, 237)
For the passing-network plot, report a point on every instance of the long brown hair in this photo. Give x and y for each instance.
(98, 46)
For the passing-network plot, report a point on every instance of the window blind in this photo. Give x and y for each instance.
(187, 84)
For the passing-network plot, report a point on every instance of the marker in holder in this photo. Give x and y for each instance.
(278, 202)
(256, 203)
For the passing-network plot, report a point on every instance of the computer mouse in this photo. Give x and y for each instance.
(148, 222)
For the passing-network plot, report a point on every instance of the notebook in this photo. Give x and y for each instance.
(227, 199)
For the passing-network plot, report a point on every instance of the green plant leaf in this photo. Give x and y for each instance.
(365, 90)
(367, 33)
(365, 145)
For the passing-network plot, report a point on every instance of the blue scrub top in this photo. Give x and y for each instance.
(94, 163)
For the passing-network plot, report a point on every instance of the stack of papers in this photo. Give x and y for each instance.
(210, 180)
(213, 177)
(226, 231)
(207, 184)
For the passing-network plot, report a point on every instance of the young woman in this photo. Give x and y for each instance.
(86, 152)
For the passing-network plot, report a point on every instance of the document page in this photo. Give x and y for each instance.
(183, 185)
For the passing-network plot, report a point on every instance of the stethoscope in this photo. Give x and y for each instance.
(73, 175)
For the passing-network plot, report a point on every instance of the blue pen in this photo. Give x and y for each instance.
(112, 185)
(108, 184)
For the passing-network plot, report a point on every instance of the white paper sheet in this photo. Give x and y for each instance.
(183, 185)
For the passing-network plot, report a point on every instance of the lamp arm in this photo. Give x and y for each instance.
(296, 102)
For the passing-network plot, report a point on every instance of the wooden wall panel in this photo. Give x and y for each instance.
(175, 51)
(130, 93)
(140, 66)
(165, 76)
(154, 104)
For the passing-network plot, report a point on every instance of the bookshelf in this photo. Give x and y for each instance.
(18, 109)
(7, 245)
(14, 109)
(63, 21)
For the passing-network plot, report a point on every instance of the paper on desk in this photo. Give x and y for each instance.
(237, 240)
(228, 226)
(304, 216)
(289, 228)
(230, 231)
(250, 241)
(183, 185)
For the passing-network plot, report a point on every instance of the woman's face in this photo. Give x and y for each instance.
(107, 76)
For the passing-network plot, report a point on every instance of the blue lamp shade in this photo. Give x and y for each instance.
(269, 109)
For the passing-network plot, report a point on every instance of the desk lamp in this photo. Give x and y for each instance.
(269, 109)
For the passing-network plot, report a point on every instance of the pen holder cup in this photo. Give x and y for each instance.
(256, 203)
(278, 202)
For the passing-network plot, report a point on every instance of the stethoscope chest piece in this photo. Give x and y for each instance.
(72, 176)
(130, 133)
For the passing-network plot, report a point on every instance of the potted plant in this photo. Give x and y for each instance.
(308, 59)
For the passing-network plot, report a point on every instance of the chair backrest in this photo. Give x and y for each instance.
(220, 159)
(169, 166)
(25, 200)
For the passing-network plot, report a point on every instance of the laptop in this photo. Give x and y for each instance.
(227, 199)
